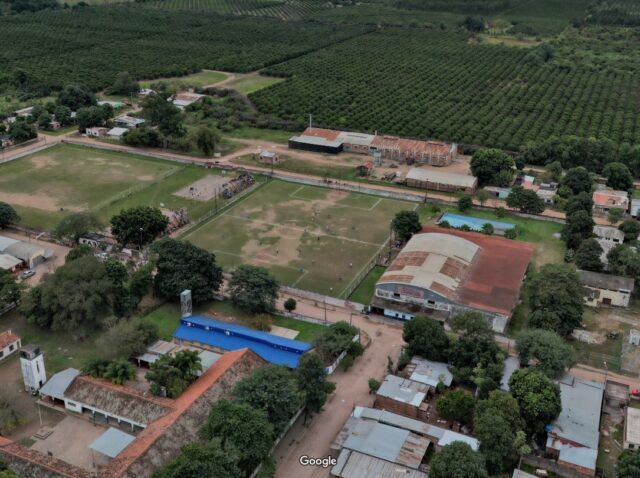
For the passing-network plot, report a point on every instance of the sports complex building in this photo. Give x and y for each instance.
(435, 153)
(453, 271)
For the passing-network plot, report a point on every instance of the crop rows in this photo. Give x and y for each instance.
(91, 45)
(436, 84)
(615, 12)
(283, 9)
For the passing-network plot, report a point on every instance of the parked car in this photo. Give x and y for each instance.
(28, 273)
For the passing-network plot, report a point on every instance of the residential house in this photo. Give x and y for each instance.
(9, 343)
(268, 157)
(635, 207)
(9, 263)
(631, 438)
(547, 192)
(117, 133)
(605, 199)
(497, 192)
(30, 253)
(182, 100)
(96, 132)
(129, 122)
(24, 112)
(403, 396)
(606, 289)
(428, 372)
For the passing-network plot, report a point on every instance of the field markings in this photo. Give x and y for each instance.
(375, 205)
(293, 194)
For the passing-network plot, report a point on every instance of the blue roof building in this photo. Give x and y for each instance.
(222, 336)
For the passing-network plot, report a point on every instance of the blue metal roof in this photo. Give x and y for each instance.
(274, 349)
(474, 223)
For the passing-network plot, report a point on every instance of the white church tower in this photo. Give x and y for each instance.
(33, 373)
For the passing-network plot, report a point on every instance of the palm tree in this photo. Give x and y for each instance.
(120, 371)
(189, 363)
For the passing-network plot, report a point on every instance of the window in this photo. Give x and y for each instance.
(37, 367)
(1, 353)
(11, 347)
(431, 302)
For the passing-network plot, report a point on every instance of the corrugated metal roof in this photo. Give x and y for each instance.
(58, 384)
(606, 281)
(403, 390)
(25, 250)
(7, 261)
(273, 349)
(6, 242)
(632, 426)
(112, 442)
(608, 232)
(579, 456)
(352, 464)
(429, 372)
(434, 175)
(316, 140)
(450, 437)
(522, 474)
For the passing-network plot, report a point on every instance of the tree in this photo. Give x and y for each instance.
(138, 225)
(578, 180)
(496, 441)
(555, 298)
(458, 460)
(426, 337)
(545, 351)
(588, 256)
(614, 215)
(482, 196)
(477, 360)
(631, 229)
(465, 203)
(405, 224)
(164, 114)
(554, 170)
(77, 295)
(624, 261)
(189, 363)
(503, 404)
(124, 85)
(290, 304)
(271, 388)
(197, 460)
(244, 429)
(120, 371)
(578, 226)
(538, 398)
(170, 375)
(10, 289)
(89, 117)
(334, 340)
(471, 324)
(618, 176)
(487, 228)
(9, 416)
(492, 166)
(525, 200)
(83, 250)
(629, 464)
(579, 202)
(77, 224)
(312, 382)
(254, 289)
(374, 385)
(181, 265)
(43, 120)
(206, 140)
(127, 338)
(96, 367)
(63, 115)
(8, 215)
(511, 233)
(474, 24)
(75, 97)
(21, 131)
(456, 405)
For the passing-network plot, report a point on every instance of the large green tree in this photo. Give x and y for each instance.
(243, 428)
(8, 215)
(538, 398)
(271, 388)
(458, 460)
(555, 298)
(75, 97)
(588, 256)
(496, 440)
(181, 265)
(631, 229)
(206, 139)
(426, 337)
(618, 176)
(578, 180)
(456, 405)
(405, 224)
(164, 114)
(171, 375)
(138, 225)
(124, 85)
(525, 200)
(492, 166)
(203, 459)
(254, 289)
(578, 227)
(10, 289)
(334, 340)
(629, 464)
(579, 202)
(76, 224)
(545, 351)
(312, 382)
(624, 261)
(127, 338)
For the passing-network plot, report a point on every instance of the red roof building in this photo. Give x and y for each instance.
(9, 343)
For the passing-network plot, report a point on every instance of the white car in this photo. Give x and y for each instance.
(28, 273)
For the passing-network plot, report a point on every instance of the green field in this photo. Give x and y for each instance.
(309, 237)
(364, 293)
(196, 80)
(253, 83)
(46, 186)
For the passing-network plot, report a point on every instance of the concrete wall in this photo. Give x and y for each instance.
(401, 408)
(616, 298)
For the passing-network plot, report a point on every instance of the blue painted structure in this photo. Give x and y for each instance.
(474, 223)
(222, 336)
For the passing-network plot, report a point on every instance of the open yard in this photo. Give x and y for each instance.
(46, 186)
(251, 84)
(309, 237)
(196, 80)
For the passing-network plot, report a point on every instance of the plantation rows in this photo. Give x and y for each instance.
(615, 12)
(91, 45)
(435, 84)
(283, 9)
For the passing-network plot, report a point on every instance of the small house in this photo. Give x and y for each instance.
(605, 199)
(116, 105)
(605, 289)
(635, 207)
(436, 180)
(403, 396)
(182, 100)
(428, 372)
(54, 125)
(631, 439)
(129, 122)
(9, 263)
(91, 239)
(496, 192)
(268, 157)
(608, 233)
(96, 132)
(144, 92)
(117, 133)
(24, 112)
(9, 343)
(547, 192)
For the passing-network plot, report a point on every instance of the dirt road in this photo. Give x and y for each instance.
(352, 389)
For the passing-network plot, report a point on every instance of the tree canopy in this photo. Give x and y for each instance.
(124, 85)
(202, 459)
(618, 176)
(458, 460)
(545, 351)
(76, 224)
(631, 229)
(75, 97)
(334, 340)
(456, 405)
(525, 200)
(138, 225)
(312, 382)
(624, 261)
(555, 297)
(426, 337)
(405, 224)
(588, 256)
(171, 375)
(538, 398)
(10, 289)
(8, 215)
(492, 166)
(180, 265)
(578, 180)
(578, 226)
(629, 464)
(253, 288)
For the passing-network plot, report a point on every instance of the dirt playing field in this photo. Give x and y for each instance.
(309, 237)
(204, 189)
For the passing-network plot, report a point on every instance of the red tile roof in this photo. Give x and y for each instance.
(7, 338)
(414, 146)
(328, 134)
(495, 276)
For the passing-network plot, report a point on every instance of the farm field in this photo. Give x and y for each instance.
(282, 9)
(436, 84)
(309, 237)
(46, 186)
(195, 80)
(252, 84)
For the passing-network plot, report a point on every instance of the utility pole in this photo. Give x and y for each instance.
(310, 120)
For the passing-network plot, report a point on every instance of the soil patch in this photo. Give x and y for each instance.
(203, 189)
(37, 201)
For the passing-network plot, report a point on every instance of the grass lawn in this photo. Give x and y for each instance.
(509, 41)
(58, 132)
(167, 318)
(294, 165)
(251, 84)
(309, 237)
(548, 248)
(60, 349)
(196, 80)
(365, 290)
(273, 135)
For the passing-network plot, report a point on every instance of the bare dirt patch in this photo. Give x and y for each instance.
(146, 177)
(283, 332)
(203, 189)
(335, 195)
(37, 201)
(41, 162)
(281, 252)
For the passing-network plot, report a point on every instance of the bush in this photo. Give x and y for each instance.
(261, 322)
(290, 304)
(347, 362)
(511, 233)
(374, 385)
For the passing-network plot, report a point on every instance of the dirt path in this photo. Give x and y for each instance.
(352, 389)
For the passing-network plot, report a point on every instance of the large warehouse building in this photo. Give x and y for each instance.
(454, 271)
(435, 153)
